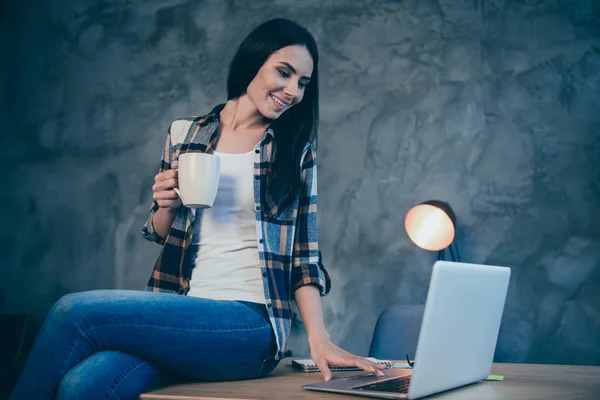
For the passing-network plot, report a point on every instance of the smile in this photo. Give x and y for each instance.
(279, 103)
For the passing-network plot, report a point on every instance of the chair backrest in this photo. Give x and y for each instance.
(12, 338)
(13, 331)
(397, 332)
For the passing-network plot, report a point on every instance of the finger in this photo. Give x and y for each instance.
(324, 367)
(170, 174)
(165, 195)
(374, 364)
(165, 185)
(175, 165)
(367, 366)
(376, 368)
(165, 175)
(166, 203)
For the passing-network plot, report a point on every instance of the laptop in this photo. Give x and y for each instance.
(456, 342)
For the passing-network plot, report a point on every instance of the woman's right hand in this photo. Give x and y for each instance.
(162, 190)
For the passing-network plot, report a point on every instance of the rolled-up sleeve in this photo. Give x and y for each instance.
(165, 164)
(307, 266)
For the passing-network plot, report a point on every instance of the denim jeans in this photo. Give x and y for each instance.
(116, 344)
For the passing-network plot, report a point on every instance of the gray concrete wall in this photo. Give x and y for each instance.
(492, 106)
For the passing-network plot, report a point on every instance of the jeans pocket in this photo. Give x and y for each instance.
(268, 365)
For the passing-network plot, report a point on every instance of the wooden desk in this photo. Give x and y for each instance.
(521, 381)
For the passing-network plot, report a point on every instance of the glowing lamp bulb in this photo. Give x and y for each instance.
(429, 227)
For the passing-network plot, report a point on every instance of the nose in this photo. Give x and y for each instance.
(291, 91)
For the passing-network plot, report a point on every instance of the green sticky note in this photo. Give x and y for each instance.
(495, 378)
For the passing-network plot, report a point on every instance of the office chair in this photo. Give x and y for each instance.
(396, 332)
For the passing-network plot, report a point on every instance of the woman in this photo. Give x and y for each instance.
(217, 306)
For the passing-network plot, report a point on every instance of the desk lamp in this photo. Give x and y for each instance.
(431, 225)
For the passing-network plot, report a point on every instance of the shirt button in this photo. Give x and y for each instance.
(257, 177)
(265, 274)
(257, 151)
(257, 208)
(261, 241)
(269, 305)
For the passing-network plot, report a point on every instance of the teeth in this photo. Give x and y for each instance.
(279, 102)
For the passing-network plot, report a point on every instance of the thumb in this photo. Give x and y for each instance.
(324, 367)
(175, 164)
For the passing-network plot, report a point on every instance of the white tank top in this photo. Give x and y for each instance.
(225, 244)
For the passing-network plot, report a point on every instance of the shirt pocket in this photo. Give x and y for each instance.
(271, 211)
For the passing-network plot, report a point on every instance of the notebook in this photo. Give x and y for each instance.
(308, 365)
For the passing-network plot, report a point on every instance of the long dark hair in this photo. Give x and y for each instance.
(295, 128)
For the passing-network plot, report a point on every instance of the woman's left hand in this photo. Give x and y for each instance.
(324, 353)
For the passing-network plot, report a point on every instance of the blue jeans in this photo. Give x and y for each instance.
(116, 344)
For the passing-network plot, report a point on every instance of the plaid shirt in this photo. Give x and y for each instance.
(287, 238)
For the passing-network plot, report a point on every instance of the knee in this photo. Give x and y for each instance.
(71, 387)
(67, 306)
(108, 375)
(74, 306)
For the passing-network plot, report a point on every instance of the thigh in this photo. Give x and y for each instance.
(200, 338)
(109, 375)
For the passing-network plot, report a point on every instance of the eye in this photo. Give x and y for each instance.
(302, 85)
(283, 73)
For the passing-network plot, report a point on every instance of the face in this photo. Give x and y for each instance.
(281, 81)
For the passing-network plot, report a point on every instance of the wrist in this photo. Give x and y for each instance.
(317, 337)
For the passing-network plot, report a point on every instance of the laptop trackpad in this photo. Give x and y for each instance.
(360, 380)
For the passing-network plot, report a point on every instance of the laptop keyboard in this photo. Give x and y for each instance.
(397, 385)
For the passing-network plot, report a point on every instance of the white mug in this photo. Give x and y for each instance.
(198, 179)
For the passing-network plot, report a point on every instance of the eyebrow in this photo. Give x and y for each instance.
(294, 69)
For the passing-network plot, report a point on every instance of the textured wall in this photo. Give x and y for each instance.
(489, 105)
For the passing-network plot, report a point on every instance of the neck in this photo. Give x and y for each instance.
(242, 114)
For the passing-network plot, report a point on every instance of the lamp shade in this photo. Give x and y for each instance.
(431, 225)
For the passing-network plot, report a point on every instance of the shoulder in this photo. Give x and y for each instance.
(181, 126)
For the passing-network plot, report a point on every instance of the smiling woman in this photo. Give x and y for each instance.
(218, 303)
(279, 81)
(276, 69)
